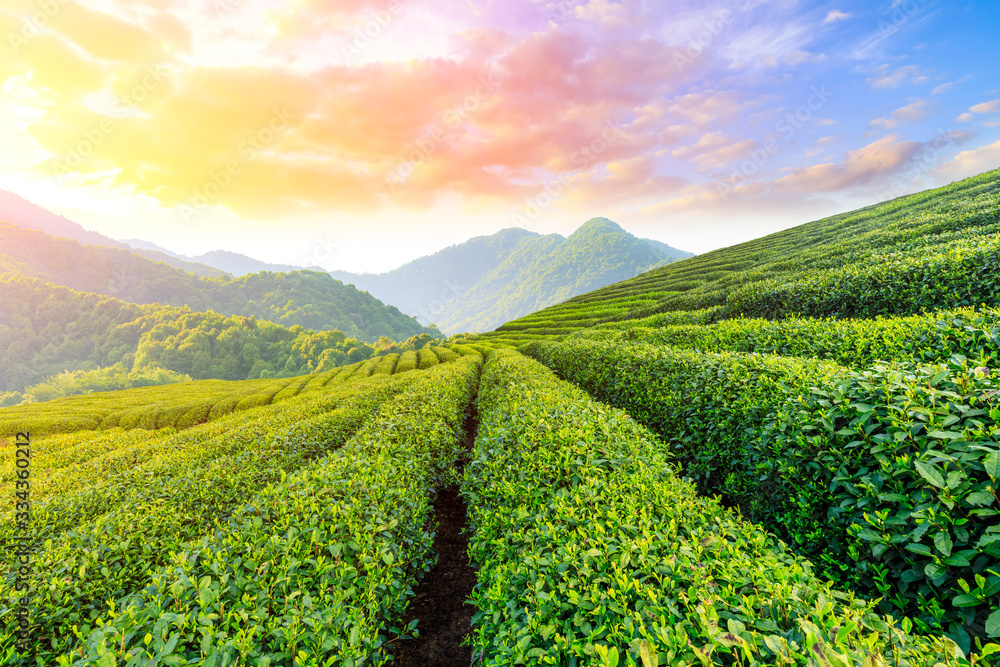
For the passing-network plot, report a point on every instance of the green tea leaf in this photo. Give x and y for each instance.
(966, 601)
(930, 473)
(993, 624)
(992, 464)
(943, 543)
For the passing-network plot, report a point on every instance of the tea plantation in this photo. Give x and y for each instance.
(785, 452)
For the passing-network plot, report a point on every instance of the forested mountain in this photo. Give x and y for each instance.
(46, 329)
(309, 299)
(479, 284)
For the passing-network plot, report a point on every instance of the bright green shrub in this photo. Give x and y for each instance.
(590, 551)
(804, 447)
(346, 373)
(387, 365)
(426, 358)
(198, 414)
(933, 337)
(959, 273)
(407, 362)
(710, 408)
(293, 388)
(97, 561)
(223, 407)
(257, 399)
(366, 368)
(445, 355)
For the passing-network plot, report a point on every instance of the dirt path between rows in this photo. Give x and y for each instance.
(440, 603)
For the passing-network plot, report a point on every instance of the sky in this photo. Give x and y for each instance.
(360, 134)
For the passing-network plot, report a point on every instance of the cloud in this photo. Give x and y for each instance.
(943, 88)
(912, 112)
(969, 163)
(964, 117)
(886, 123)
(887, 78)
(860, 167)
(714, 150)
(500, 115)
(603, 12)
(986, 107)
(836, 15)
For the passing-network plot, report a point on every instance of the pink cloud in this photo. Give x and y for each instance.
(860, 167)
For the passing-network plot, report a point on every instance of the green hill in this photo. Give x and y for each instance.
(934, 249)
(488, 280)
(836, 382)
(780, 453)
(309, 299)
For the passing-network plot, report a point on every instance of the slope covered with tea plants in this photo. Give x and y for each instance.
(835, 383)
(652, 476)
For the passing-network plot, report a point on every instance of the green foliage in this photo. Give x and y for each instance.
(426, 358)
(889, 478)
(445, 355)
(962, 272)
(316, 569)
(387, 364)
(407, 362)
(933, 337)
(854, 469)
(932, 250)
(590, 551)
(103, 379)
(712, 408)
(47, 330)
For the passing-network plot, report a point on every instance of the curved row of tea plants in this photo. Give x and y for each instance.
(930, 338)
(315, 570)
(94, 551)
(66, 495)
(886, 477)
(188, 404)
(179, 405)
(591, 551)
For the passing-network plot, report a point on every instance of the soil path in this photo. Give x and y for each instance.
(445, 618)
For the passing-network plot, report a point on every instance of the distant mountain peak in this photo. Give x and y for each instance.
(599, 225)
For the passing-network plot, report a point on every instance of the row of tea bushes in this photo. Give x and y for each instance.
(101, 542)
(930, 338)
